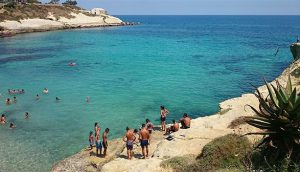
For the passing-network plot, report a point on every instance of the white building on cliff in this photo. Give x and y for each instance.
(99, 11)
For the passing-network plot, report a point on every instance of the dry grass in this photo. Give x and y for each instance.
(176, 164)
(237, 122)
(37, 11)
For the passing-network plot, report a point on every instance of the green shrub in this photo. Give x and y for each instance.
(223, 153)
(227, 152)
(11, 4)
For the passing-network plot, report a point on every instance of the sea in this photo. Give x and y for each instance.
(186, 63)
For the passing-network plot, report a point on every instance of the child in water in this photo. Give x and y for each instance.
(12, 125)
(91, 140)
(26, 115)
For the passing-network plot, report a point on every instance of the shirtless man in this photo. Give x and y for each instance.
(185, 121)
(144, 139)
(3, 119)
(97, 137)
(104, 141)
(129, 138)
(173, 128)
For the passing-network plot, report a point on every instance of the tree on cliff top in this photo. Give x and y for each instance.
(33, 1)
(70, 2)
(54, 2)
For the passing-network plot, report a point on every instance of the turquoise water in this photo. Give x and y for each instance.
(187, 63)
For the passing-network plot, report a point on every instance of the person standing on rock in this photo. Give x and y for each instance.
(91, 140)
(163, 116)
(104, 141)
(144, 138)
(98, 142)
(129, 138)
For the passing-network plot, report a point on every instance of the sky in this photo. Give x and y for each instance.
(195, 7)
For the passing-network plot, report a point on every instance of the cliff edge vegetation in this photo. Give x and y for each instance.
(31, 11)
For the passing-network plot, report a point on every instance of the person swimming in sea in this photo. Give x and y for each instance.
(26, 115)
(3, 119)
(37, 97)
(45, 91)
(57, 99)
(8, 101)
(15, 99)
(87, 99)
(12, 125)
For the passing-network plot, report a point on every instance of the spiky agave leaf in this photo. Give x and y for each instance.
(288, 87)
(272, 94)
(278, 117)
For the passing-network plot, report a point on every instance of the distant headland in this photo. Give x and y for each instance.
(23, 16)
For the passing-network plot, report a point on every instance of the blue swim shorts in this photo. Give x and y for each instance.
(144, 143)
(98, 144)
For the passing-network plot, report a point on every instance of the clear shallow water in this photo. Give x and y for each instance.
(187, 63)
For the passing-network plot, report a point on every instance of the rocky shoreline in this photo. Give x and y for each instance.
(183, 142)
(9, 33)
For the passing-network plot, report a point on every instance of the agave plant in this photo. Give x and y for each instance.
(278, 117)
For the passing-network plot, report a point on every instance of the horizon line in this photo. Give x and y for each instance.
(207, 14)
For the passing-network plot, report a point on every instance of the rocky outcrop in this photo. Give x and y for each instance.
(191, 141)
(78, 20)
(295, 49)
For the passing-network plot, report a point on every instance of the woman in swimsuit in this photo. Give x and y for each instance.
(163, 115)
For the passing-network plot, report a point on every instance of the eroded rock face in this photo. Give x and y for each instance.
(77, 20)
(295, 49)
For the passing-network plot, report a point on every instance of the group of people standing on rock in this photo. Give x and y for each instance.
(143, 136)
(97, 140)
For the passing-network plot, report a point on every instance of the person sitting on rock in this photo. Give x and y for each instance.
(149, 126)
(185, 121)
(173, 128)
